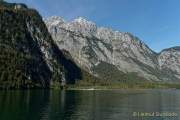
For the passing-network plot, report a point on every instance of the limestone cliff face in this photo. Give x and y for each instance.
(90, 46)
(28, 55)
(169, 61)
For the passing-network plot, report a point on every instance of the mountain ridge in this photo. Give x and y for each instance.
(59, 18)
(90, 45)
(54, 52)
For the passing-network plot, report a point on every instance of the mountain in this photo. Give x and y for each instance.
(113, 55)
(29, 58)
(34, 54)
(169, 62)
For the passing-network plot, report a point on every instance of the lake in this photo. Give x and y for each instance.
(90, 105)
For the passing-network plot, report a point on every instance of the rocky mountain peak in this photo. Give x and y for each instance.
(82, 20)
(90, 46)
(81, 25)
(55, 20)
(172, 49)
(170, 59)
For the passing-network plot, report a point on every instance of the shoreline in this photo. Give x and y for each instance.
(109, 89)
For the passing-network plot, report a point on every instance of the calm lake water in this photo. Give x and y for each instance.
(90, 105)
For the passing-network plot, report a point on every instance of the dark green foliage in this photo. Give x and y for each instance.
(21, 62)
(12, 70)
(111, 77)
(111, 74)
(88, 79)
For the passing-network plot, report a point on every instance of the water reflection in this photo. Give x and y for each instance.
(87, 105)
(22, 105)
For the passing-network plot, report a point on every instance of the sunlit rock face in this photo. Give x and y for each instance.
(169, 59)
(91, 45)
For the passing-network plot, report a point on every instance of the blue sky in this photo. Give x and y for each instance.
(156, 22)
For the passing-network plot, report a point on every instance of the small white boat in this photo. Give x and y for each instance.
(91, 89)
(88, 89)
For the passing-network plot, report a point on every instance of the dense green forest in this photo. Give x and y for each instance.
(20, 58)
